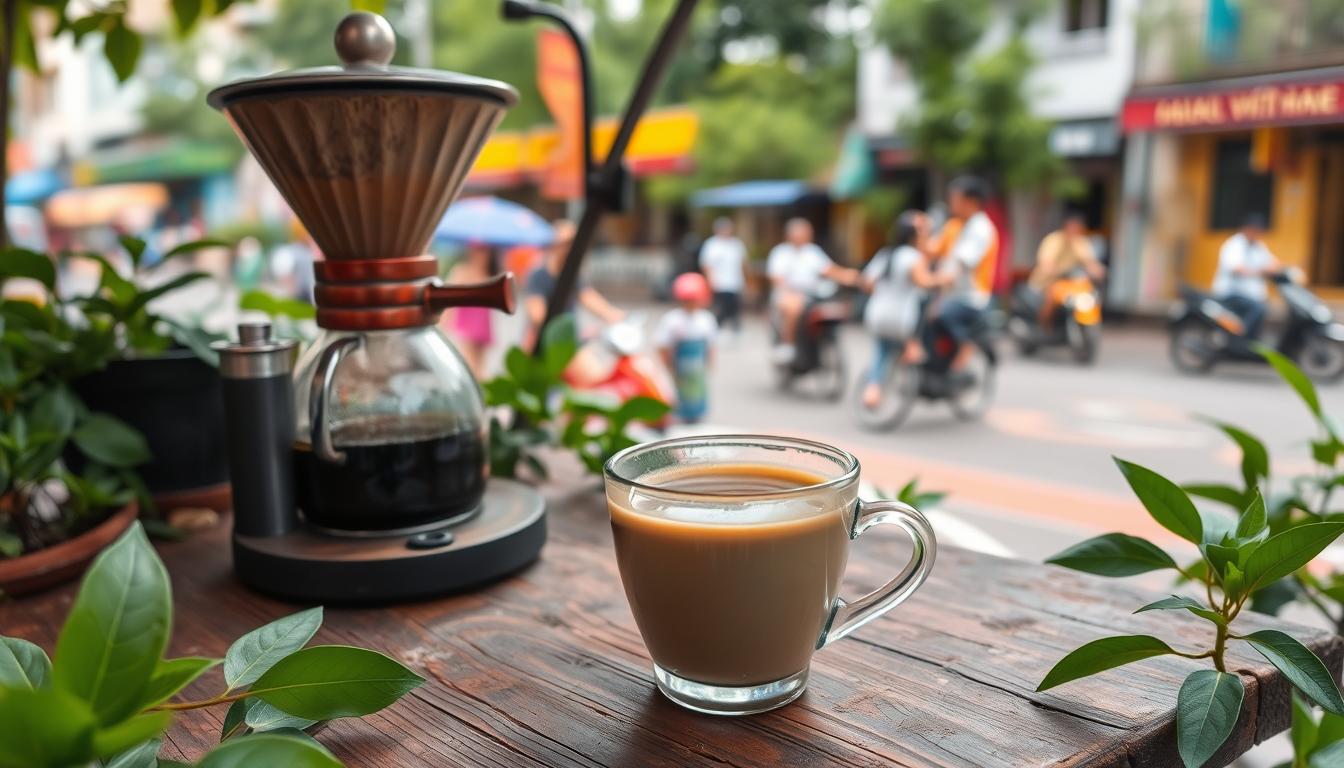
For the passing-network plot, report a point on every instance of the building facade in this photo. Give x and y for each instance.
(1236, 109)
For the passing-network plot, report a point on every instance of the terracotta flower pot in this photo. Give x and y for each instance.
(62, 562)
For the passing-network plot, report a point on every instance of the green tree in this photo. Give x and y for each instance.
(121, 45)
(973, 109)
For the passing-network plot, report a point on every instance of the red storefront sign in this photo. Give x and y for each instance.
(1259, 105)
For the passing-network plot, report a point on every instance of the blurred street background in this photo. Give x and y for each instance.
(1161, 128)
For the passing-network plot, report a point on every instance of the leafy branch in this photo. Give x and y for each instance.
(109, 695)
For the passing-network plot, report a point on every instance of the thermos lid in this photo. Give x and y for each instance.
(255, 355)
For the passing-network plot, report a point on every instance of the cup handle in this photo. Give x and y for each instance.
(846, 617)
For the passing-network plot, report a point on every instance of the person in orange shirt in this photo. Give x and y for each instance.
(969, 266)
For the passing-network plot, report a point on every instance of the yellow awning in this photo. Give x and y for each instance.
(105, 204)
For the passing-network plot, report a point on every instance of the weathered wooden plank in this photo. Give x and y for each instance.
(547, 668)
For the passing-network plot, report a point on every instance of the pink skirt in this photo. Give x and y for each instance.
(473, 324)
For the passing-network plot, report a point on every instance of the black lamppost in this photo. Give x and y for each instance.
(604, 187)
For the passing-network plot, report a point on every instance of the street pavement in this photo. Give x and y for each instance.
(1035, 474)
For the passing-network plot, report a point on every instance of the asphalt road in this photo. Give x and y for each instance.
(1036, 474)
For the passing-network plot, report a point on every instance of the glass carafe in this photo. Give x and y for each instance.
(390, 433)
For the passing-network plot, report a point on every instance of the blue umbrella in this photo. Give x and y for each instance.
(492, 221)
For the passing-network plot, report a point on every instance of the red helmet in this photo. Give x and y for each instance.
(692, 287)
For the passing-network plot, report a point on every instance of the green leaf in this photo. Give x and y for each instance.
(186, 12)
(44, 727)
(1254, 456)
(198, 340)
(1219, 556)
(23, 664)
(1219, 492)
(1284, 553)
(1302, 668)
(1254, 519)
(117, 629)
(269, 749)
(277, 306)
(165, 288)
(124, 735)
(135, 248)
(172, 675)
(1178, 602)
(1234, 581)
(1303, 732)
(1165, 501)
(184, 249)
(235, 719)
(253, 654)
(54, 411)
(522, 368)
(262, 716)
(330, 681)
(1100, 655)
(111, 441)
(1114, 554)
(1207, 708)
(1290, 373)
(645, 409)
(1329, 757)
(19, 262)
(1272, 597)
(144, 756)
(1331, 729)
(121, 46)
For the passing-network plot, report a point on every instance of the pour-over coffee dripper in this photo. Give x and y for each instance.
(375, 487)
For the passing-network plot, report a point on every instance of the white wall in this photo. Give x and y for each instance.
(1079, 75)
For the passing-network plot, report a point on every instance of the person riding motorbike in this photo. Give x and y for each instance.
(1244, 264)
(969, 266)
(796, 268)
(1062, 252)
(897, 277)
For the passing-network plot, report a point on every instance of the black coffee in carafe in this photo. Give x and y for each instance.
(432, 472)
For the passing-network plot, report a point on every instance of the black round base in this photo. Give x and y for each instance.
(305, 565)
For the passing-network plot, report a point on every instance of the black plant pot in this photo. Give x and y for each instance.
(175, 401)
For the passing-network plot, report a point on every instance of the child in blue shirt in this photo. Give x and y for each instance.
(685, 338)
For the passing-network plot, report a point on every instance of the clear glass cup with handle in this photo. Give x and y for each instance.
(731, 550)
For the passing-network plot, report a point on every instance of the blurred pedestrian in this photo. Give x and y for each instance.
(471, 326)
(897, 277)
(969, 266)
(1244, 262)
(797, 268)
(541, 284)
(685, 339)
(723, 258)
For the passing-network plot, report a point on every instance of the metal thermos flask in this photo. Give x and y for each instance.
(259, 417)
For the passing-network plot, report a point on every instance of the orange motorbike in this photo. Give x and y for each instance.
(1074, 320)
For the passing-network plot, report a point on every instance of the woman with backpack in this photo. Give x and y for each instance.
(896, 279)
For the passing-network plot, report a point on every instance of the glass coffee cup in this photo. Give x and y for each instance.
(731, 550)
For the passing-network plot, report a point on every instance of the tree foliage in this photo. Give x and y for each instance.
(973, 113)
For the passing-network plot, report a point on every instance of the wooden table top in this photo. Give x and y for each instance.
(546, 668)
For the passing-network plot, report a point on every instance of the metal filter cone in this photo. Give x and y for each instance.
(368, 156)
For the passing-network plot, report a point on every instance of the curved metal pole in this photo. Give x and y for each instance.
(518, 10)
(606, 181)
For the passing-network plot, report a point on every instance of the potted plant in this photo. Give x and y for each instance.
(53, 517)
(156, 374)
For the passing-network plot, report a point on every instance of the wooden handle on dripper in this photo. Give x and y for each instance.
(495, 293)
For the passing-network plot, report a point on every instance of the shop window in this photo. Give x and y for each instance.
(1085, 14)
(1238, 191)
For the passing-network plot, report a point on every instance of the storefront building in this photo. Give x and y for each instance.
(1221, 125)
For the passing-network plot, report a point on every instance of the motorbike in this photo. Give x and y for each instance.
(616, 364)
(968, 392)
(1204, 332)
(817, 355)
(1075, 321)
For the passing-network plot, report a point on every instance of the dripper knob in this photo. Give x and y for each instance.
(365, 38)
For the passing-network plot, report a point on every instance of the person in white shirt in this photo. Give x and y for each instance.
(796, 268)
(969, 266)
(722, 259)
(1244, 262)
